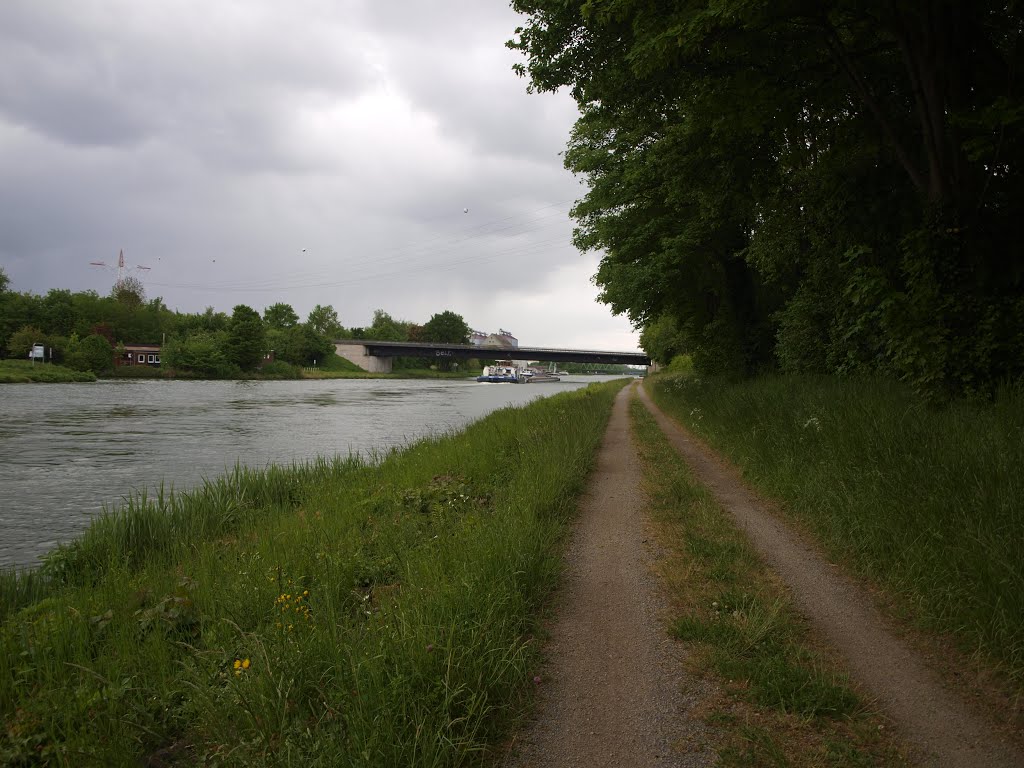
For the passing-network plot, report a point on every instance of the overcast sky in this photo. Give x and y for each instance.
(311, 152)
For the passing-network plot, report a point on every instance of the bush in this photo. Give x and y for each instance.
(200, 354)
(93, 353)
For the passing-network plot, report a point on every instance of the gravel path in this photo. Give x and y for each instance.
(614, 692)
(936, 720)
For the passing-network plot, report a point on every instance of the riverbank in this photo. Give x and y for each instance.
(344, 612)
(925, 505)
(27, 372)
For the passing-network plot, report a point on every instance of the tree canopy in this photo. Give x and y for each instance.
(446, 328)
(825, 186)
(280, 316)
(208, 343)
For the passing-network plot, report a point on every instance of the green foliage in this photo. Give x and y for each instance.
(739, 624)
(771, 176)
(299, 345)
(336, 613)
(446, 328)
(93, 353)
(200, 354)
(661, 339)
(246, 338)
(24, 371)
(386, 328)
(324, 320)
(918, 500)
(21, 341)
(280, 316)
(129, 292)
(207, 344)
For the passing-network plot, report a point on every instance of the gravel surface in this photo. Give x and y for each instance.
(613, 691)
(937, 720)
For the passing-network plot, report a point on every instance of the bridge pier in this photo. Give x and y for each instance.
(356, 353)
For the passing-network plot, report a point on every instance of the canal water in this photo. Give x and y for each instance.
(68, 449)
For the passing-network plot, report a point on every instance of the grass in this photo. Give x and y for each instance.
(25, 372)
(345, 612)
(928, 504)
(783, 701)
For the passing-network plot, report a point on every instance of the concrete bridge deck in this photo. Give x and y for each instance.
(376, 356)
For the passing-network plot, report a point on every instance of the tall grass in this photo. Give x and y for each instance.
(928, 503)
(787, 702)
(343, 613)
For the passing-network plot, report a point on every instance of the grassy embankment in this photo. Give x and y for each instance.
(25, 372)
(781, 700)
(339, 613)
(928, 504)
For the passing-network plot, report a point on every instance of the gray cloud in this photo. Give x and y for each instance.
(215, 141)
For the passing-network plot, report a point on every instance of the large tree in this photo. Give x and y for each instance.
(774, 172)
(246, 338)
(447, 328)
(129, 291)
(324, 320)
(280, 316)
(387, 328)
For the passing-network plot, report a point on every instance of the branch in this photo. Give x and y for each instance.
(839, 52)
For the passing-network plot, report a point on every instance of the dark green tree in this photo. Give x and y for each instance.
(447, 328)
(661, 339)
(771, 173)
(280, 316)
(93, 353)
(386, 328)
(129, 292)
(324, 320)
(203, 353)
(246, 338)
(299, 345)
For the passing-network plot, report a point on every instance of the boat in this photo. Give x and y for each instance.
(501, 373)
(542, 378)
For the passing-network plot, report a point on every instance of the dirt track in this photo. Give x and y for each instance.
(614, 692)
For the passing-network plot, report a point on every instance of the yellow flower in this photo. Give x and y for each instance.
(245, 664)
(238, 663)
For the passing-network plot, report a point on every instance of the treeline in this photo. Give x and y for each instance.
(84, 331)
(826, 187)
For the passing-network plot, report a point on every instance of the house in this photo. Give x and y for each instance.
(139, 354)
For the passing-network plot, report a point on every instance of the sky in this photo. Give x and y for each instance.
(366, 154)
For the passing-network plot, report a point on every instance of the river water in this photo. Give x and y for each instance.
(68, 449)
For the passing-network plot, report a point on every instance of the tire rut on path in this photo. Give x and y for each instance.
(614, 692)
(935, 720)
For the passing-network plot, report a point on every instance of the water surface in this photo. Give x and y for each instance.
(67, 449)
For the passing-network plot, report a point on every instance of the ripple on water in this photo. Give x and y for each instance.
(67, 449)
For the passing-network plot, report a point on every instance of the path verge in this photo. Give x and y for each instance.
(934, 719)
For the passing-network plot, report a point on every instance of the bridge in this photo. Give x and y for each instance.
(376, 356)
